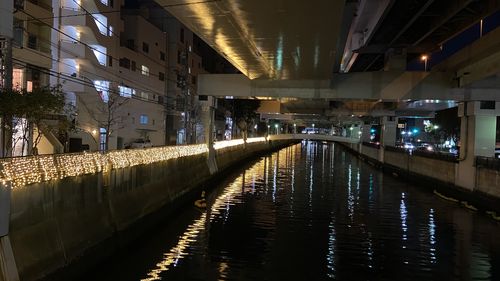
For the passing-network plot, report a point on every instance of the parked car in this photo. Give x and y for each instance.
(408, 145)
(139, 143)
(426, 147)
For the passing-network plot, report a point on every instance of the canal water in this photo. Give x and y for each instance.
(313, 211)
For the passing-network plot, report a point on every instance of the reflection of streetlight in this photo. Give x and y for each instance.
(276, 126)
(424, 58)
(294, 128)
(268, 126)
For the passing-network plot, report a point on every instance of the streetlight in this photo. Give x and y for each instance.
(268, 126)
(294, 128)
(276, 126)
(424, 58)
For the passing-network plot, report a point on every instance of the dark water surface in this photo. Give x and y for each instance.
(314, 212)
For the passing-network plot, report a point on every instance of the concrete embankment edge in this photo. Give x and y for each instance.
(61, 227)
(430, 174)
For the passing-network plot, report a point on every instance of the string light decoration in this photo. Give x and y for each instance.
(22, 171)
(228, 143)
(251, 140)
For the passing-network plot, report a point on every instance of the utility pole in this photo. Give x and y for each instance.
(6, 33)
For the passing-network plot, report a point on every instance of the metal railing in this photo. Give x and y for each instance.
(488, 163)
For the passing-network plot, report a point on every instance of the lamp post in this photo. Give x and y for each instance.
(424, 58)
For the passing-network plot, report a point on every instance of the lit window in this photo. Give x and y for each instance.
(102, 87)
(110, 30)
(145, 70)
(126, 91)
(144, 119)
(17, 78)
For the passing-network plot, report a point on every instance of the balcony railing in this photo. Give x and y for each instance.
(41, 4)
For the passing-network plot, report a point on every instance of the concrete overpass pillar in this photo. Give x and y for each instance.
(365, 132)
(388, 131)
(208, 125)
(387, 135)
(477, 138)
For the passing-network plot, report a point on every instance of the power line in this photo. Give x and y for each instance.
(114, 33)
(82, 82)
(79, 41)
(94, 74)
(117, 11)
(85, 44)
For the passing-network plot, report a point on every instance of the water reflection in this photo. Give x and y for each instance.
(299, 214)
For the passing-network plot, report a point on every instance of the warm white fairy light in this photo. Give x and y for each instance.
(228, 143)
(261, 139)
(22, 171)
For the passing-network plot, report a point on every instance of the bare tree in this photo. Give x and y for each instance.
(107, 116)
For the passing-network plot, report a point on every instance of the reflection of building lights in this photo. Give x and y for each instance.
(436, 127)
(403, 132)
(94, 132)
(276, 126)
(351, 128)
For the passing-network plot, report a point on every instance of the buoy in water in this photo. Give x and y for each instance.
(201, 203)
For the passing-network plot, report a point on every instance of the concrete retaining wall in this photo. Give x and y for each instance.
(54, 223)
(370, 152)
(441, 175)
(488, 181)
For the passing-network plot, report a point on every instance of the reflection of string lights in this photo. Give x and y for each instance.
(178, 252)
(21, 171)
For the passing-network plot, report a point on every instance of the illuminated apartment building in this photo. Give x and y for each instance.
(112, 73)
(32, 61)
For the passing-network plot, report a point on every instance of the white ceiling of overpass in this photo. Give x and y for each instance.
(270, 39)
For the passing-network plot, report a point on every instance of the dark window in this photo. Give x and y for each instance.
(110, 61)
(192, 63)
(32, 41)
(111, 3)
(487, 105)
(161, 76)
(145, 47)
(131, 44)
(182, 35)
(193, 80)
(124, 62)
(162, 55)
(133, 66)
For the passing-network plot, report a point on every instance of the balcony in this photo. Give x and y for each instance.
(40, 10)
